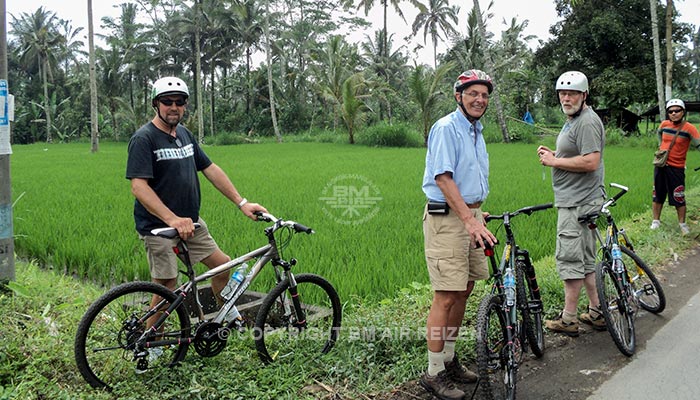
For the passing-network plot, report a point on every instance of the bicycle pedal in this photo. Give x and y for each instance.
(649, 289)
(535, 306)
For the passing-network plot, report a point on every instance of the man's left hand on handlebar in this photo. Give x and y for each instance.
(249, 209)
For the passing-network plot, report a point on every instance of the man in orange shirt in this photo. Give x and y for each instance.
(669, 181)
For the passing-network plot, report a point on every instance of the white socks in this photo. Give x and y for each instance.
(437, 360)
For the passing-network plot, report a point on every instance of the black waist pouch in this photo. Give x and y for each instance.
(438, 208)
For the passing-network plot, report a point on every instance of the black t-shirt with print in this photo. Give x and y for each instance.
(170, 165)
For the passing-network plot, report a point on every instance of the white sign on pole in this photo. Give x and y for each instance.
(4, 119)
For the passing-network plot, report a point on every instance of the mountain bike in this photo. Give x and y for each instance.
(508, 321)
(122, 334)
(623, 279)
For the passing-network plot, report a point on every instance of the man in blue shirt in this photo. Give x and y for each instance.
(455, 183)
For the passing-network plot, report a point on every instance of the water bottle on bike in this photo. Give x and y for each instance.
(509, 286)
(617, 258)
(227, 292)
(235, 280)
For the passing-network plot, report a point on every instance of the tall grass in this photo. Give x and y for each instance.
(74, 209)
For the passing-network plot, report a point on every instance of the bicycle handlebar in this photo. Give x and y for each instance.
(267, 217)
(525, 210)
(169, 232)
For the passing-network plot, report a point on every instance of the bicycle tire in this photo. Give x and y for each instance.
(619, 318)
(106, 333)
(647, 288)
(277, 334)
(494, 356)
(530, 307)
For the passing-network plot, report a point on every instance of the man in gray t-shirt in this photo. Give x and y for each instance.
(577, 180)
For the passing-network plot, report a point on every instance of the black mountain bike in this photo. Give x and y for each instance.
(121, 334)
(624, 281)
(506, 325)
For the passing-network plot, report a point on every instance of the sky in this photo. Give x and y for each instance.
(541, 15)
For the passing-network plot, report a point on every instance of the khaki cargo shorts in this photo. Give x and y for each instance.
(451, 260)
(162, 261)
(576, 243)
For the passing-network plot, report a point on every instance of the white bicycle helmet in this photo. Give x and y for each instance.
(572, 80)
(169, 85)
(675, 102)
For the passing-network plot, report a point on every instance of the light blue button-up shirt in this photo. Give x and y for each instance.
(455, 145)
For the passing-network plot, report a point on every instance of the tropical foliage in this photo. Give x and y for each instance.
(217, 47)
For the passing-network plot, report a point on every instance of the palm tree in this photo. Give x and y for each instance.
(368, 4)
(657, 55)
(488, 62)
(425, 91)
(354, 108)
(434, 19)
(94, 147)
(39, 36)
(389, 68)
(669, 49)
(127, 39)
(250, 31)
(333, 71)
(695, 57)
(270, 86)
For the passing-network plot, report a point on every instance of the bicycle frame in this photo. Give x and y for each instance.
(612, 233)
(498, 272)
(511, 254)
(264, 254)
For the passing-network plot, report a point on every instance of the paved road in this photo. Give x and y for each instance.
(669, 366)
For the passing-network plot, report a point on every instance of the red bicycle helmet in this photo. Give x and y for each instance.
(472, 77)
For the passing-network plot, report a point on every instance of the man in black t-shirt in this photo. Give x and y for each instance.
(163, 162)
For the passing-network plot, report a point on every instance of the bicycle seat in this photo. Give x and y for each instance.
(169, 232)
(589, 218)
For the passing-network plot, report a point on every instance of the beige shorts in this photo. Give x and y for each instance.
(451, 260)
(576, 243)
(162, 261)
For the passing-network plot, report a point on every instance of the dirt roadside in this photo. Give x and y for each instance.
(572, 368)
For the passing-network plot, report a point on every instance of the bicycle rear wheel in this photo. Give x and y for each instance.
(495, 357)
(530, 307)
(105, 342)
(619, 316)
(647, 288)
(280, 334)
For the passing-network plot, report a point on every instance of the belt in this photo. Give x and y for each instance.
(442, 205)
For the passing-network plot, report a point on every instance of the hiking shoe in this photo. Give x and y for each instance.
(153, 355)
(684, 228)
(597, 322)
(558, 325)
(441, 386)
(458, 373)
(655, 224)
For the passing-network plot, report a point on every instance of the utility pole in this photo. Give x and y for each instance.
(7, 244)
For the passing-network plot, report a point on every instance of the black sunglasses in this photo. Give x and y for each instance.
(676, 111)
(169, 102)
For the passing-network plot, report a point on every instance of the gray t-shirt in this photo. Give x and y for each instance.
(582, 135)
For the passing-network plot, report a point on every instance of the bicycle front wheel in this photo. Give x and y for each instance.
(530, 307)
(280, 333)
(495, 357)
(618, 313)
(106, 349)
(647, 288)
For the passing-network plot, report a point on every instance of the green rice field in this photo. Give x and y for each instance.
(73, 209)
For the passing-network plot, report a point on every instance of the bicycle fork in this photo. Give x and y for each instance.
(535, 303)
(299, 314)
